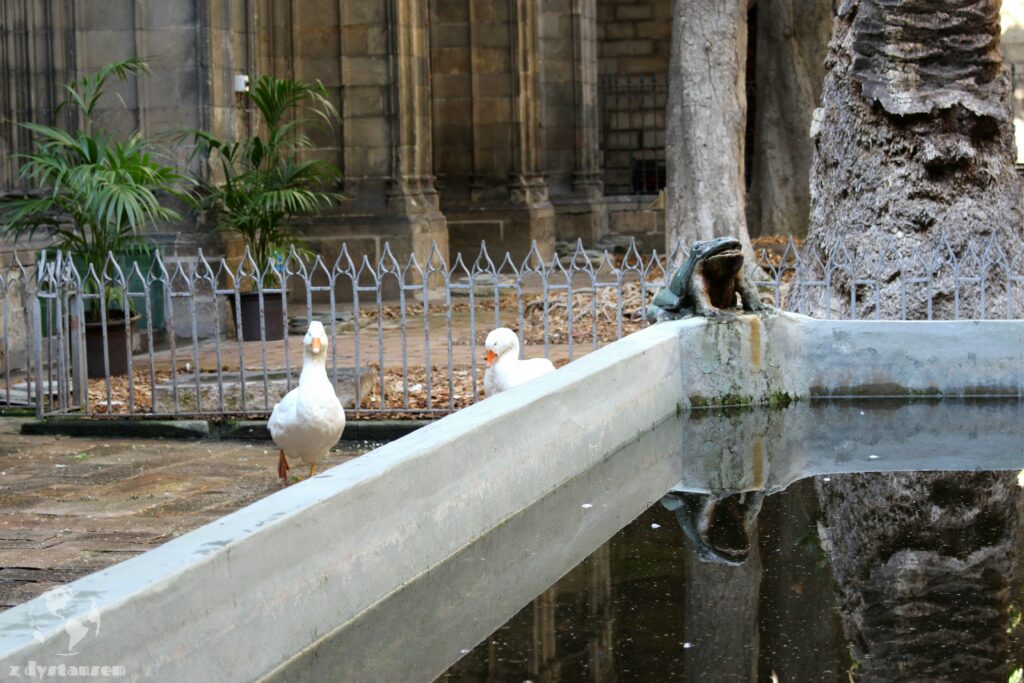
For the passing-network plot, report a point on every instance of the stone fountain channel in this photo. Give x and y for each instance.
(340, 574)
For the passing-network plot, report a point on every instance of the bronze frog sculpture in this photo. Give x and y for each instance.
(707, 284)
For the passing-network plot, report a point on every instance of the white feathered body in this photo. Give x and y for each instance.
(509, 371)
(309, 419)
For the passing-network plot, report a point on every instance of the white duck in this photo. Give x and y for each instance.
(309, 419)
(504, 369)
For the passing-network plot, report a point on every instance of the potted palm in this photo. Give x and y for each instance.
(262, 182)
(96, 191)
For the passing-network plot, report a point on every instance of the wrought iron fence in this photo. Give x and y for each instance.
(406, 337)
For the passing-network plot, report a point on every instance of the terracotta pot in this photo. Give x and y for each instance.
(117, 354)
(273, 313)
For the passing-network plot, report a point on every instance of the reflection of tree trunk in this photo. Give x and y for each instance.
(923, 562)
(647, 569)
(801, 638)
(707, 112)
(720, 618)
(914, 140)
(792, 36)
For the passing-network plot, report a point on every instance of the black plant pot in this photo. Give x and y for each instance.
(117, 353)
(273, 314)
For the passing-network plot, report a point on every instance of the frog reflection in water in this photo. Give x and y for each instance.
(706, 284)
(718, 526)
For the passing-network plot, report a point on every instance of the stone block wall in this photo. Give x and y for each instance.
(366, 138)
(558, 95)
(498, 100)
(640, 219)
(635, 36)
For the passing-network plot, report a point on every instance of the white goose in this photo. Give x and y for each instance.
(309, 419)
(504, 369)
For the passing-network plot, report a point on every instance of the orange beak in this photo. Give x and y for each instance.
(316, 345)
(490, 356)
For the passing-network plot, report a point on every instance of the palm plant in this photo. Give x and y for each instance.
(96, 191)
(264, 183)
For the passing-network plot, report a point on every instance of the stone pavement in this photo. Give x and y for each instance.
(70, 506)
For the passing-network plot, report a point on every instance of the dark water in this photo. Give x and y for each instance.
(697, 552)
(622, 614)
(645, 606)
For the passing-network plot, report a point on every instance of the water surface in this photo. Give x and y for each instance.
(692, 553)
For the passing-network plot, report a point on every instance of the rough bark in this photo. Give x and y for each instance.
(913, 143)
(706, 122)
(913, 149)
(924, 563)
(792, 40)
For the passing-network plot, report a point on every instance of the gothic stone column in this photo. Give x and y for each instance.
(411, 190)
(587, 177)
(570, 142)
(526, 184)
(485, 62)
(386, 126)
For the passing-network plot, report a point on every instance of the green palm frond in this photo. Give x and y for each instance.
(86, 92)
(96, 192)
(264, 184)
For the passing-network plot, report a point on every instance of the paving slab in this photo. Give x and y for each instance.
(70, 506)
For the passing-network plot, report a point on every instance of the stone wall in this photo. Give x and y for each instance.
(496, 98)
(46, 43)
(639, 219)
(635, 36)
(462, 120)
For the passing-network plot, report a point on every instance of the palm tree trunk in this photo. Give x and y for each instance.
(913, 145)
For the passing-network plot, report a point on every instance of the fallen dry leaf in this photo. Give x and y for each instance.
(119, 393)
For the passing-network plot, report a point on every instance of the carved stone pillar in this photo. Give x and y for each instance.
(386, 126)
(587, 177)
(411, 190)
(478, 102)
(570, 150)
(544, 663)
(486, 63)
(526, 184)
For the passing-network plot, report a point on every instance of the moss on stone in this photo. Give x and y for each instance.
(780, 399)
